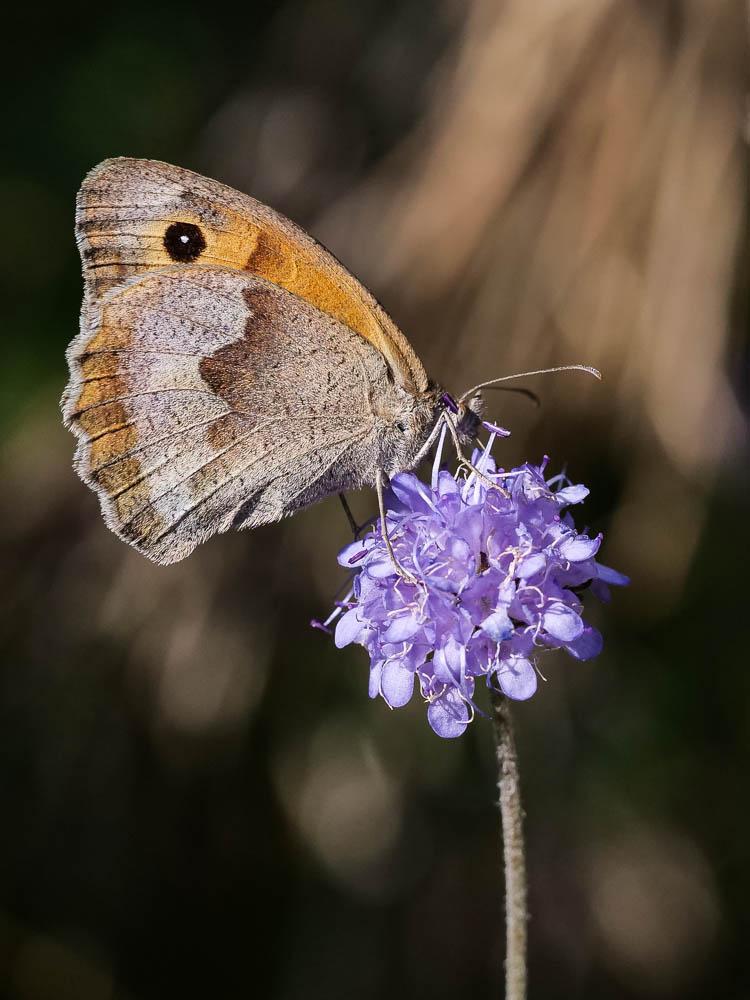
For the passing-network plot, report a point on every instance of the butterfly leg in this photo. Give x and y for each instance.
(356, 529)
(349, 516)
(403, 573)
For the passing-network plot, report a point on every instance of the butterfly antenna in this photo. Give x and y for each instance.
(539, 371)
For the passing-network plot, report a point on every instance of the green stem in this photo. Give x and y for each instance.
(511, 814)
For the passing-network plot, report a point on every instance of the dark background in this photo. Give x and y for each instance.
(198, 799)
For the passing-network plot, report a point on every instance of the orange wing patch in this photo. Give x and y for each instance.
(107, 435)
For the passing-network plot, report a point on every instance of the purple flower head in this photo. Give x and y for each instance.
(499, 574)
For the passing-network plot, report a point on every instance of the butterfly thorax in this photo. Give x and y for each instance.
(403, 422)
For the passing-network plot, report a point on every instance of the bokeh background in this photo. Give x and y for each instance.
(198, 799)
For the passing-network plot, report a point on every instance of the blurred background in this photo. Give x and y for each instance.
(198, 799)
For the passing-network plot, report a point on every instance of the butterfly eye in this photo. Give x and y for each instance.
(184, 242)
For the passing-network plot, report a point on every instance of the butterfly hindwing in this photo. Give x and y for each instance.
(186, 397)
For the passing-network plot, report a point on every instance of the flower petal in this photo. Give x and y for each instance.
(577, 548)
(401, 628)
(531, 564)
(610, 575)
(411, 492)
(571, 494)
(449, 662)
(588, 644)
(517, 678)
(601, 591)
(448, 716)
(349, 629)
(562, 622)
(447, 485)
(396, 684)
(376, 672)
(381, 568)
(351, 554)
(498, 625)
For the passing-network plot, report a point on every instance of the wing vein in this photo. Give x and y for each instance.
(186, 513)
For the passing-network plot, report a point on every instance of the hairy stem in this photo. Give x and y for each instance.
(511, 814)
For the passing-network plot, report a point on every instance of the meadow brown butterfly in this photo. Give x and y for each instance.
(229, 370)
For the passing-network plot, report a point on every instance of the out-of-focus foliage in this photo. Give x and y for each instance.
(198, 798)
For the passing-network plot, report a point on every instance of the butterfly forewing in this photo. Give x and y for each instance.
(135, 216)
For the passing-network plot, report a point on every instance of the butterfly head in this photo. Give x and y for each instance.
(406, 420)
(412, 421)
(467, 415)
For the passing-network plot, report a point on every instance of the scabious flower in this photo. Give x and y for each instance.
(499, 572)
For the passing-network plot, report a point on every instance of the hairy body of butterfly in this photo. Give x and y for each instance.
(229, 370)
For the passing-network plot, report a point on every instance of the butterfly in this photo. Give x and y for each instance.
(229, 371)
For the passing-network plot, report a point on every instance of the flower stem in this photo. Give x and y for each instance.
(511, 814)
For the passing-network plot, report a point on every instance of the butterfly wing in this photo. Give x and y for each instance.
(204, 398)
(135, 216)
